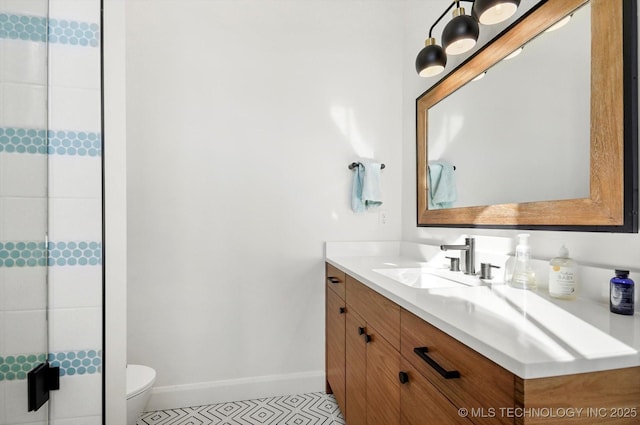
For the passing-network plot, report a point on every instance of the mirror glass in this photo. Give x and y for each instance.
(530, 142)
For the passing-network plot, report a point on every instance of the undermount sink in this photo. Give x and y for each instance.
(430, 278)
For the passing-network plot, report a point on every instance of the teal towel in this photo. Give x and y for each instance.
(442, 191)
(365, 191)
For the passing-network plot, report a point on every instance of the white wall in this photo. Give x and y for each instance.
(607, 250)
(242, 117)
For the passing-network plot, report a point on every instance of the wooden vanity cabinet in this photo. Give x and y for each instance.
(336, 280)
(482, 384)
(356, 369)
(422, 404)
(372, 365)
(383, 387)
(335, 349)
(379, 312)
(373, 389)
(609, 397)
(367, 381)
(378, 378)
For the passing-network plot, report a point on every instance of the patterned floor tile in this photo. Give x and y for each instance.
(300, 409)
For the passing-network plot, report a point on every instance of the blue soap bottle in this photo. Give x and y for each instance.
(621, 290)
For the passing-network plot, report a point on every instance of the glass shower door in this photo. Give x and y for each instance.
(23, 204)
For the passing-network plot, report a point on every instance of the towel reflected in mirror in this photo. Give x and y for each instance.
(441, 185)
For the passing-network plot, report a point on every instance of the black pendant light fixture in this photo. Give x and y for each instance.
(431, 60)
(461, 33)
(490, 12)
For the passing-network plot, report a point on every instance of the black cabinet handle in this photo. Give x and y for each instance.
(333, 279)
(361, 331)
(404, 377)
(446, 374)
(342, 310)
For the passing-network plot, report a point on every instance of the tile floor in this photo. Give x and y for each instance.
(301, 409)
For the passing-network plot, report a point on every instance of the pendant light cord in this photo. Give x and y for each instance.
(456, 3)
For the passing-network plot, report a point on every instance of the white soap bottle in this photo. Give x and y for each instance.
(563, 276)
(523, 275)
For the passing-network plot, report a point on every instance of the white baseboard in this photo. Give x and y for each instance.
(203, 393)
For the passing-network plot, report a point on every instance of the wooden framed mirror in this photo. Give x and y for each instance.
(610, 201)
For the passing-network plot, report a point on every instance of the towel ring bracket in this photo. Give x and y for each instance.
(355, 164)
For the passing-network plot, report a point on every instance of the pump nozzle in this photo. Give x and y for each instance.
(524, 239)
(563, 252)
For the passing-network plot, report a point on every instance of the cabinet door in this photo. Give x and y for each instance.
(383, 387)
(356, 369)
(422, 404)
(378, 311)
(482, 384)
(335, 346)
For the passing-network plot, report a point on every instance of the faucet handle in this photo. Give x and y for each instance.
(454, 264)
(485, 270)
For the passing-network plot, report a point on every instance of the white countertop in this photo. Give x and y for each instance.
(525, 332)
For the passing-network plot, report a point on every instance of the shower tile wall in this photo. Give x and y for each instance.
(23, 203)
(67, 126)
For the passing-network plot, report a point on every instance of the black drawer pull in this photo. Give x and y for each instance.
(367, 338)
(360, 330)
(333, 279)
(343, 310)
(446, 374)
(403, 377)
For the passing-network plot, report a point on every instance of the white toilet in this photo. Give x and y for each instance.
(140, 379)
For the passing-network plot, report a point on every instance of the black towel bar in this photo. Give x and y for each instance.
(355, 164)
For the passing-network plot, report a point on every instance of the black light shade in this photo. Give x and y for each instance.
(489, 12)
(460, 34)
(431, 60)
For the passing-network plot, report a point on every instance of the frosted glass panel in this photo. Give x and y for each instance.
(23, 205)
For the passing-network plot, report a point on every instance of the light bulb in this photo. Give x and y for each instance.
(498, 13)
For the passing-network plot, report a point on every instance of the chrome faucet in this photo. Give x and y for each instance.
(469, 248)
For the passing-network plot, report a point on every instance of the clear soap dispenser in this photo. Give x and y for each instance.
(523, 276)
